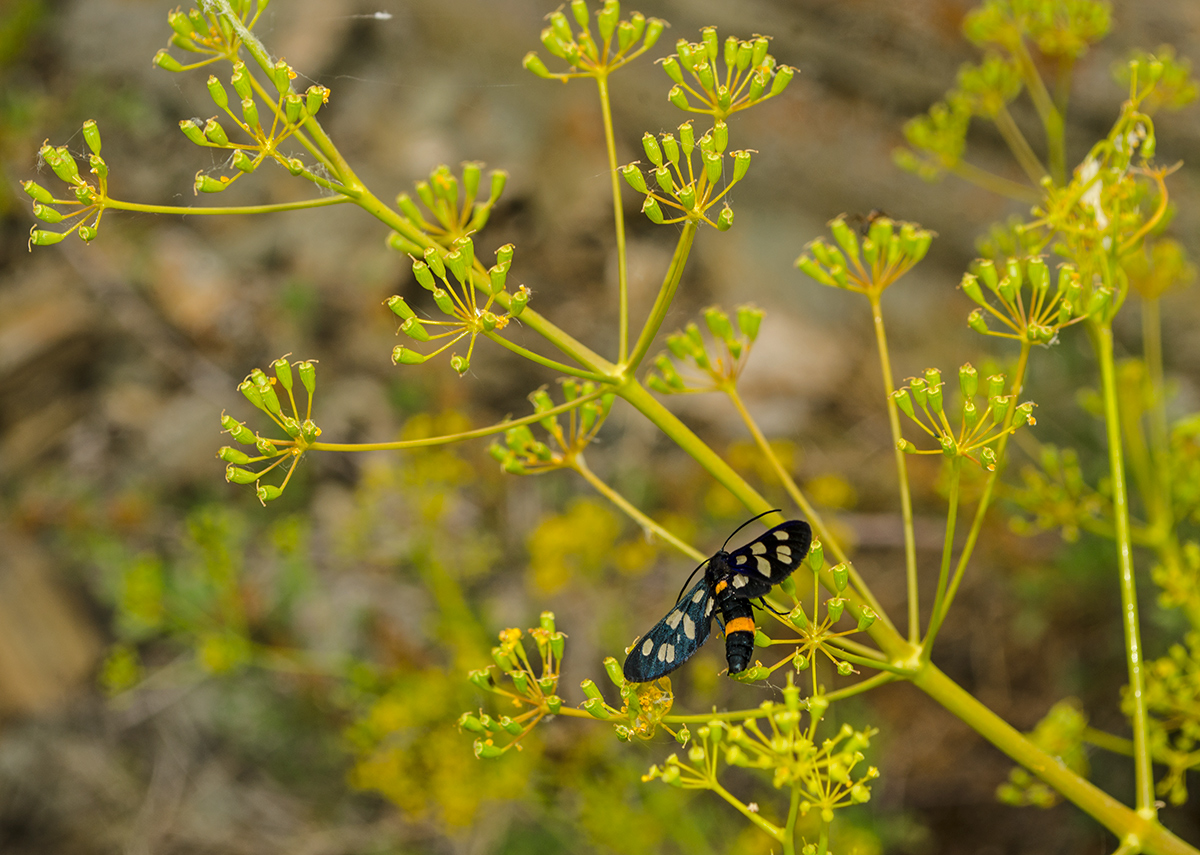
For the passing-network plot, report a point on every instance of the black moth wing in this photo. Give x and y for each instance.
(760, 565)
(675, 638)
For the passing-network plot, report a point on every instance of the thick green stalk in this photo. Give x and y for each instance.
(910, 544)
(1019, 146)
(1116, 817)
(666, 294)
(1144, 778)
(610, 145)
(1052, 119)
(789, 831)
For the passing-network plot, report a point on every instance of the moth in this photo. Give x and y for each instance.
(731, 580)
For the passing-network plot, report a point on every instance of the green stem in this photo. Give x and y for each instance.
(939, 612)
(1116, 817)
(1019, 146)
(426, 442)
(546, 361)
(997, 184)
(187, 211)
(632, 511)
(774, 831)
(665, 295)
(789, 832)
(828, 540)
(910, 544)
(1052, 119)
(986, 497)
(610, 145)
(1144, 778)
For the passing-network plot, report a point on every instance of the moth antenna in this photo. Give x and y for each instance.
(689, 579)
(746, 523)
(770, 608)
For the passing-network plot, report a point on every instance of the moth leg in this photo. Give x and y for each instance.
(770, 608)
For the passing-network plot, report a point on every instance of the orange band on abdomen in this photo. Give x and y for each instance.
(720, 586)
(741, 624)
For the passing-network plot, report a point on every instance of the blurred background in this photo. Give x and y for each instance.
(392, 573)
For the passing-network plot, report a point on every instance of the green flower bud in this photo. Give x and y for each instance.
(671, 66)
(677, 97)
(497, 276)
(713, 166)
(37, 192)
(816, 556)
(281, 76)
(217, 92)
(759, 51)
(433, 257)
(845, 668)
(933, 394)
(976, 322)
(1098, 302)
(533, 62)
(414, 330)
(250, 112)
(662, 175)
(237, 430)
(986, 271)
(718, 323)
(866, 617)
(423, 276)
(91, 135)
(181, 23)
(834, 607)
(192, 131)
(687, 197)
(293, 107)
(46, 214)
(783, 76)
(268, 493)
(841, 576)
(164, 60)
(970, 287)
(758, 85)
(652, 211)
(635, 179)
(753, 674)
(460, 364)
(237, 475)
(485, 750)
(314, 97)
(443, 300)
(595, 707)
(1039, 275)
(457, 263)
(232, 455)
(401, 355)
(243, 162)
(749, 320)
(613, 668)
(213, 132)
(283, 371)
(471, 723)
(968, 380)
(798, 618)
(654, 29)
(904, 402)
(725, 220)
(308, 375)
(518, 302)
(520, 681)
(761, 639)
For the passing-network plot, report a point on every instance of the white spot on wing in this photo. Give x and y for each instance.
(662, 653)
(698, 596)
(741, 559)
(689, 627)
(764, 566)
(673, 618)
(648, 646)
(670, 652)
(758, 548)
(708, 609)
(784, 552)
(739, 580)
(783, 535)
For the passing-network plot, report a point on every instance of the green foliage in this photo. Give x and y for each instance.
(227, 597)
